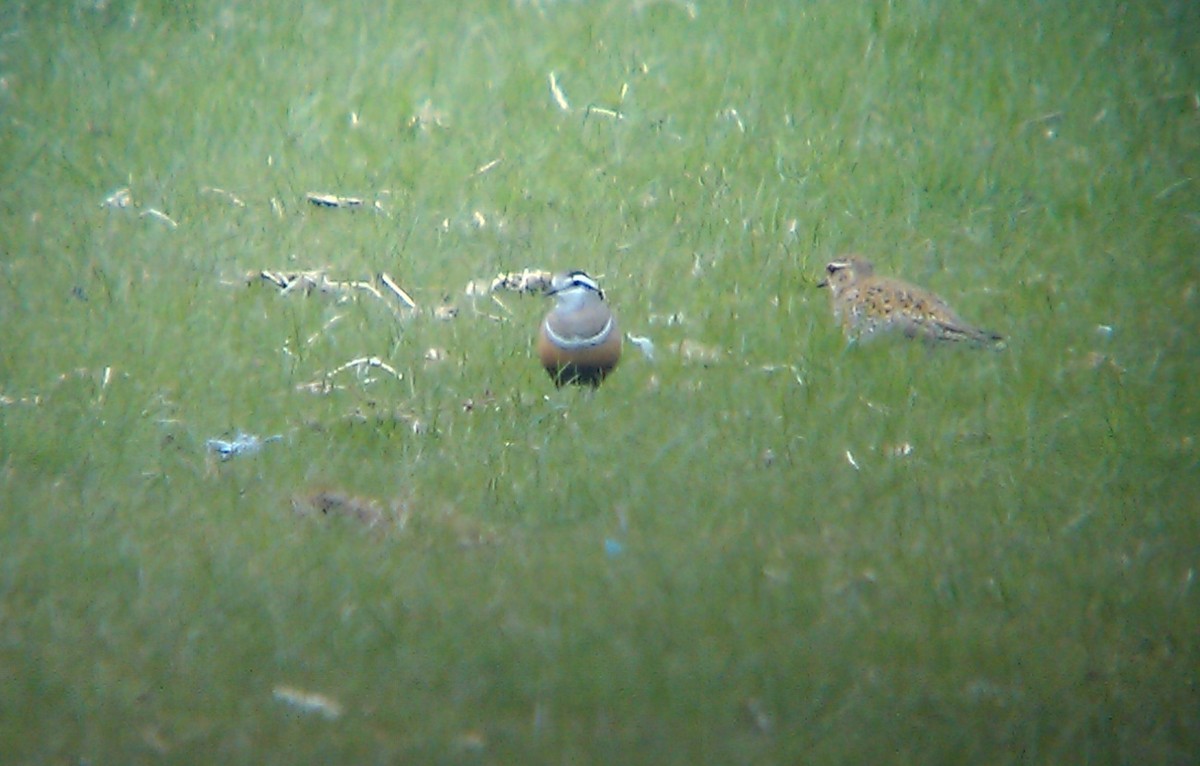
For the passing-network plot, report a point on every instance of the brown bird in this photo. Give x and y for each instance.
(579, 341)
(867, 305)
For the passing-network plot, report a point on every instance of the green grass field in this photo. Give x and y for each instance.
(798, 551)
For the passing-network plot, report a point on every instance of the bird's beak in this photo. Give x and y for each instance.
(823, 283)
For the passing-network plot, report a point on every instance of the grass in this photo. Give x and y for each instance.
(799, 552)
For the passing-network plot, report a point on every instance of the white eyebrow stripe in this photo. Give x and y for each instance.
(576, 343)
(574, 279)
(586, 281)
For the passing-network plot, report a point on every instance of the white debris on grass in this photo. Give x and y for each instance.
(324, 383)
(160, 215)
(308, 702)
(398, 291)
(315, 280)
(323, 199)
(242, 444)
(120, 198)
(644, 344)
(559, 97)
(234, 200)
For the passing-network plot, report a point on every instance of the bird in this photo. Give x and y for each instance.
(578, 341)
(867, 305)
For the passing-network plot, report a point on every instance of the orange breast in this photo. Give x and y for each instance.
(587, 365)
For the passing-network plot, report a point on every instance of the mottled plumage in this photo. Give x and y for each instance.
(867, 304)
(578, 341)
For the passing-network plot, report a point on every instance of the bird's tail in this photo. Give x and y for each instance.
(973, 335)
